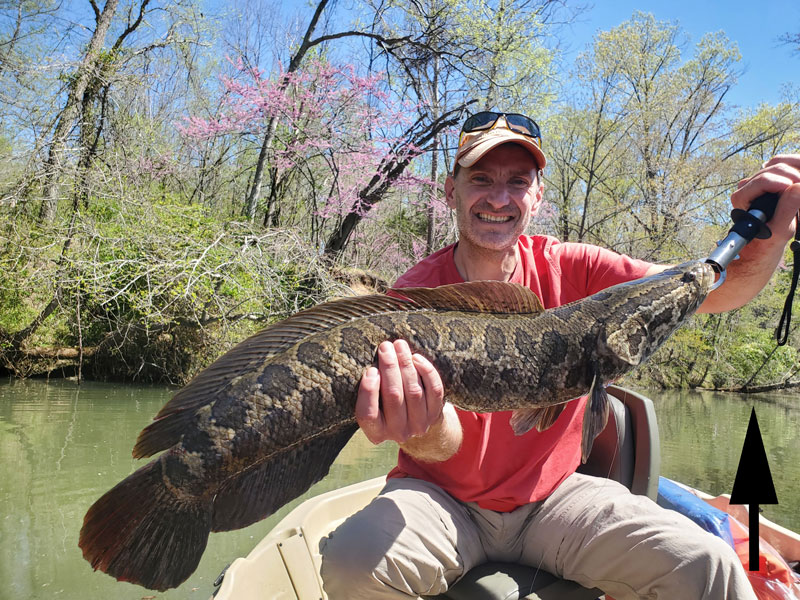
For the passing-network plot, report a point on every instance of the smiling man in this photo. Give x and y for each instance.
(466, 490)
(494, 201)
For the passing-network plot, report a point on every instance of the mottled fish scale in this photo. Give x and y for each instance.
(266, 420)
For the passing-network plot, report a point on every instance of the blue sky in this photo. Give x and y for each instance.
(755, 26)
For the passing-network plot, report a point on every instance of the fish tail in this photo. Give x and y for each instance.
(141, 532)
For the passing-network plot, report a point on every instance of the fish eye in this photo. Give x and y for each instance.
(689, 277)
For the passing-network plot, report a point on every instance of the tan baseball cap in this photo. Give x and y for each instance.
(477, 143)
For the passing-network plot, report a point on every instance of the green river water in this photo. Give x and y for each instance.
(63, 445)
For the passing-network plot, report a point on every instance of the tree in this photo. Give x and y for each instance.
(78, 85)
(87, 90)
(644, 160)
(308, 42)
(24, 29)
(338, 140)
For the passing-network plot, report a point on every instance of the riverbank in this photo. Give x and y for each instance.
(155, 293)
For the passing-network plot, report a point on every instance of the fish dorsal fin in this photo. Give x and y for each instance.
(476, 296)
(168, 425)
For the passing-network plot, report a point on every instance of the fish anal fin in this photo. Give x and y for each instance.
(595, 417)
(525, 419)
(261, 489)
(163, 433)
(140, 532)
(476, 296)
(171, 421)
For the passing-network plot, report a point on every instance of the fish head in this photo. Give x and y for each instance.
(649, 310)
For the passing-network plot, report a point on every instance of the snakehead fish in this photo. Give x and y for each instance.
(264, 422)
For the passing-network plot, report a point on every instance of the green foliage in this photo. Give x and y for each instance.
(513, 69)
(153, 290)
(764, 131)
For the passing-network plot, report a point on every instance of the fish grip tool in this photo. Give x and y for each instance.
(747, 226)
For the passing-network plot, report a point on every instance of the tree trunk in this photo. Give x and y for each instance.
(432, 197)
(391, 169)
(433, 188)
(254, 195)
(58, 146)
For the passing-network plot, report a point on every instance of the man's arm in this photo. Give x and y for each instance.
(403, 400)
(748, 275)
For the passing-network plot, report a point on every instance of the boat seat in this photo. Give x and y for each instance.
(627, 451)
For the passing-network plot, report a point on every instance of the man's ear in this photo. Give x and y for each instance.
(537, 203)
(449, 187)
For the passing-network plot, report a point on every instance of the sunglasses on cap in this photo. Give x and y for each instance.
(486, 120)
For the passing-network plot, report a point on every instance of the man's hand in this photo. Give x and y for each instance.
(400, 399)
(403, 400)
(759, 259)
(779, 175)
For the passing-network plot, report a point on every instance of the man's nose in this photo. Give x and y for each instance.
(500, 196)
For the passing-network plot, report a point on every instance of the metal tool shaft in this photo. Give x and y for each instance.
(747, 225)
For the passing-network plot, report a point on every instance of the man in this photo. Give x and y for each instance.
(466, 489)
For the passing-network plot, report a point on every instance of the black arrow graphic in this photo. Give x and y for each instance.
(753, 484)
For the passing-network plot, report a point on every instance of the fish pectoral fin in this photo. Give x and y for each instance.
(595, 417)
(541, 417)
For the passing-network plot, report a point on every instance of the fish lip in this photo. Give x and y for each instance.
(702, 276)
(700, 271)
(707, 275)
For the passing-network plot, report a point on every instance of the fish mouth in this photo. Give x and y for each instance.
(705, 275)
(701, 276)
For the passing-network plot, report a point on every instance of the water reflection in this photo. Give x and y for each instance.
(702, 435)
(62, 446)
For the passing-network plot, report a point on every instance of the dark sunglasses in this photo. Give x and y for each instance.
(486, 120)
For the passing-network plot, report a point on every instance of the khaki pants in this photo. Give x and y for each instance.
(416, 540)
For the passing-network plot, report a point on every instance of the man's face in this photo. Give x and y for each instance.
(495, 198)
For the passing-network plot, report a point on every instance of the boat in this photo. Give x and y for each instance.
(285, 564)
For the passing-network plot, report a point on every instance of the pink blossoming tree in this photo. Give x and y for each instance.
(341, 143)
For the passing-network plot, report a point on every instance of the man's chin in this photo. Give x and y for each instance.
(495, 242)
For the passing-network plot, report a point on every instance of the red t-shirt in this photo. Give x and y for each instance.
(495, 468)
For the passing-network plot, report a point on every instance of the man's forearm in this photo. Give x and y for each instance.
(440, 442)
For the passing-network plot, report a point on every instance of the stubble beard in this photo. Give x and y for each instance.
(486, 244)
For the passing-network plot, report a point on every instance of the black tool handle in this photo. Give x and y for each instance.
(747, 225)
